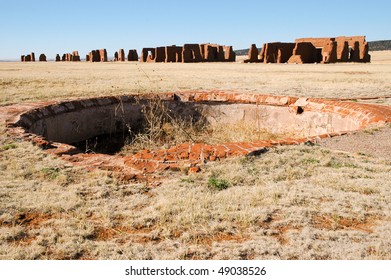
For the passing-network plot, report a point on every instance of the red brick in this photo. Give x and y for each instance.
(194, 169)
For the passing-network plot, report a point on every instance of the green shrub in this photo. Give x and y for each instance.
(9, 146)
(219, 184)
(50, 173)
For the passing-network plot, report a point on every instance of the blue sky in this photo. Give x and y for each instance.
(52, 27)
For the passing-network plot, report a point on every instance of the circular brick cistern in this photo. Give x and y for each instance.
(61, 128)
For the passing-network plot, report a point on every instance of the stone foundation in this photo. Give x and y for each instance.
(54, 126)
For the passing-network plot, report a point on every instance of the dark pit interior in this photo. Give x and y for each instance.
(104, 144)
(107, 128)
(148, 118)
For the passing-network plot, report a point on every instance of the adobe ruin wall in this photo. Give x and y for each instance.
(314, 50)
(189, 53)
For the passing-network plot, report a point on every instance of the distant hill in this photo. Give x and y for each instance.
(384, 45)
(244, 51)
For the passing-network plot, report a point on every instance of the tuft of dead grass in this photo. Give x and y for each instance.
(163, 130)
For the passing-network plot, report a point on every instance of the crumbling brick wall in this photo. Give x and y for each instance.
(304, 52)
(189, 53)
(28, 58)
(329, 52)
(252, 54)
(160, 54)
(102, 55)
(277, 52)
(310, 50)
(95, 56)
(145, 53)
(364, 53)
(327, 47)
(42, 58)
(121, 55)
(229, 54)
(342, 51)
(132, 55)
(173, 54)
(212, 53)
(75, 56)
(153, 54)
(352, 48)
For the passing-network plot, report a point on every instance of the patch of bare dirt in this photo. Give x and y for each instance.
(28, 219)
(209, 239)
(137, 235)
(370, 142)
(337, 223)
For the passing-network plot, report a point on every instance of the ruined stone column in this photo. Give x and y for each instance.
(342, 51)
(229, 54)
(277, 52)
(121, 55)
(355, 52)
(191, 53)
(211, 53)
(252, 54)
(132, 55)
(364, 53)
(160, 54)
(42, 58)
(144, 54)
(220, 53)
(173, 54)
(329, 52)
(103, 55)
(75, 56)
(95, 56)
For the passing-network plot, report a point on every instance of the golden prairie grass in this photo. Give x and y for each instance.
(292, 203)
(47, 81)
(298, 202)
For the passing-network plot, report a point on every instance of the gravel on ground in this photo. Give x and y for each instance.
(374, 142)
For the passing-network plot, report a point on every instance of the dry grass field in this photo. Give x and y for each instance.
(48, 81)
(296, 202)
